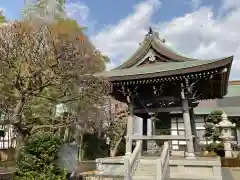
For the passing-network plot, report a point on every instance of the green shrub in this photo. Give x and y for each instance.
(38, 158)
(232, 162)
(214, 117)
(162, 132)
(218, 148)
(94, 147)
(211, 154)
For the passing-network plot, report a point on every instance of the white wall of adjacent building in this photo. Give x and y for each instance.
(177, 128)
(8, 140)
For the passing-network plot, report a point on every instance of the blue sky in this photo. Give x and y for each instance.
(107, 12)
(199, 28)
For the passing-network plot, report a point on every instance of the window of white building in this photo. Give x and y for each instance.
(181, 132)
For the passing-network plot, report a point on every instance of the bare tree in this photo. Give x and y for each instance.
(45, 61)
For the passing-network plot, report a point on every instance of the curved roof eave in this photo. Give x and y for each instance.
(166, 69)
(160, 47)
(141, 51)
(165, 50)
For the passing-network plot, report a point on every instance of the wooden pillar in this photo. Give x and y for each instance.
(194, 131)
(129, 130)
(238, 135)
(188, 129)
(145, 124)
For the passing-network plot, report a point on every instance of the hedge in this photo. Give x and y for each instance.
(230, 162)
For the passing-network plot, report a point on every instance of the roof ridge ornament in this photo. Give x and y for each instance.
(154, 34)
(150, 32)
(152, 58)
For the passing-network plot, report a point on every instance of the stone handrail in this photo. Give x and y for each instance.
(132, 161)
(163, 162)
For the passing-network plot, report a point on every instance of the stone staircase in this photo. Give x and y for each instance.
(144, 166)
(174, 168)
(146, 170)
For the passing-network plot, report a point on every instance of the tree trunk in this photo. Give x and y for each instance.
(17, 111)
(62, 130)
(20, 142)
(115, 148)
(80, 145)
(16, 121)
(99, 130)
(66, 134)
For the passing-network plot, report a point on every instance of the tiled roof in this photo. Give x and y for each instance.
(164, 69)
(167, 62)
(233, 90)
(230, 111)
(230, 103)
(235, 82)
(154, 42)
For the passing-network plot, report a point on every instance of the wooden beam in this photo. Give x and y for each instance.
(162, 98)
(170, 109)
(159, 137)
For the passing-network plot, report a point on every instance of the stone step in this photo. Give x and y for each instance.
(146, 170)
(147, 166)
(187, 176)
(143, 171)
(144, 178)
(179, 179)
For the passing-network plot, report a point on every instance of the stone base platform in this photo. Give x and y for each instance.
(205, 168)
(200, 168)
(110, 166)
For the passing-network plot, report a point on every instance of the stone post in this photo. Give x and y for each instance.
(188, 129)
(226, 129)
(194, 131)
(138, 126)
(228, 149)
(129, 131)
(151, 144)
(149, 127)
(238, 136)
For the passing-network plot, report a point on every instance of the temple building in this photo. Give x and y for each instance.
(230, 104)
(161, 88)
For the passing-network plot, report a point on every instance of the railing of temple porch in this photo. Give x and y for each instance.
(132, 161)
(163, 162)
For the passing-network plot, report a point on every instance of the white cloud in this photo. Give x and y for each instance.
(200, 34)
(120, 40)
(231, 4)
(2, 11)
(194, 3)
(78, 11)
